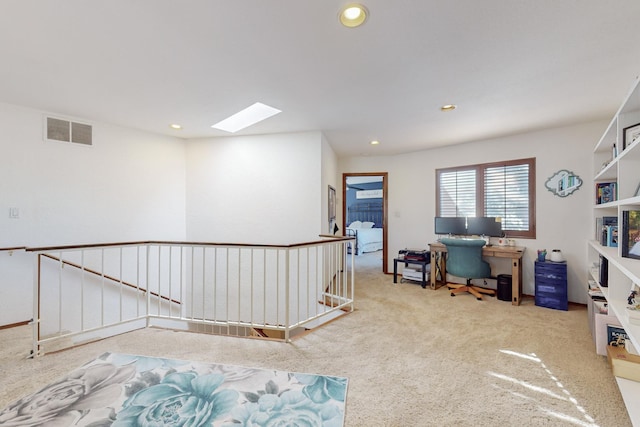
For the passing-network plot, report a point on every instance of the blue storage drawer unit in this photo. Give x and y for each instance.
(551, 285)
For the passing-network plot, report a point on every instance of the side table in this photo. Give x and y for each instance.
(423, 263)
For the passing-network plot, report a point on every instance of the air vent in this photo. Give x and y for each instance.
(67, 131)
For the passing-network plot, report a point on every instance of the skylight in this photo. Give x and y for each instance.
(247, 117)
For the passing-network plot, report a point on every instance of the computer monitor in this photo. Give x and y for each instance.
(450, 225)
(484, 226)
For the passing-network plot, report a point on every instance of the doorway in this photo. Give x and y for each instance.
(369, 187)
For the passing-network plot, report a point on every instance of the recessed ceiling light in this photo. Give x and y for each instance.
(247, 117)
(353, 15)
(448, 107)
(375, 142)
(175, 126)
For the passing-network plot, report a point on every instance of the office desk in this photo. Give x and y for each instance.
(439, 265)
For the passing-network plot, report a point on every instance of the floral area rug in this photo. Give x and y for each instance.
(125, 390)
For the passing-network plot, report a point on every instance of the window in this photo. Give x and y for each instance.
(501, 189)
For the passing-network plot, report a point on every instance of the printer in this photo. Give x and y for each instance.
(414, 254)
(413, 271)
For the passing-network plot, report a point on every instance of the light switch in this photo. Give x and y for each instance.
(14, 213)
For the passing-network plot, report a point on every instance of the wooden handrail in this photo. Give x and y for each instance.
(182, 243)
(15, 248)
(106, 276)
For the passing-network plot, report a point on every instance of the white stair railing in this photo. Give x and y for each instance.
(89, 292)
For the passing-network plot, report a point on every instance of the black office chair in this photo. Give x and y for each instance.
(464, 259)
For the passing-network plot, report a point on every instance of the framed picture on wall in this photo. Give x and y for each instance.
(629, 135)
(332, 204)
(631, 234)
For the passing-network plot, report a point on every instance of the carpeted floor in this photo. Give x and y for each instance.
(413, 356)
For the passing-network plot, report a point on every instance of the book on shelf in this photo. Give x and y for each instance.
(601, 223)
(601, 307)
(606, 192)
(604, 271)
(597, 295)
(601, 331)
(612, 236)
(614, 332)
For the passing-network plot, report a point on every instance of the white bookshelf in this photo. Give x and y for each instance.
(623, 273)
(630, 391)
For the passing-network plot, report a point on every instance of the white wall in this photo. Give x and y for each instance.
(562, 223)
(16, 287)
(329, 178)
(271, 189)
(255, 189)
(129, 185)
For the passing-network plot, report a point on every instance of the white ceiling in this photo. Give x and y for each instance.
(511, 66)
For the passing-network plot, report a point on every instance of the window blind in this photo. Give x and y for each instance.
(458, 193)
(506, 195)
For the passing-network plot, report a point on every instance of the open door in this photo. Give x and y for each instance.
(364, 199)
